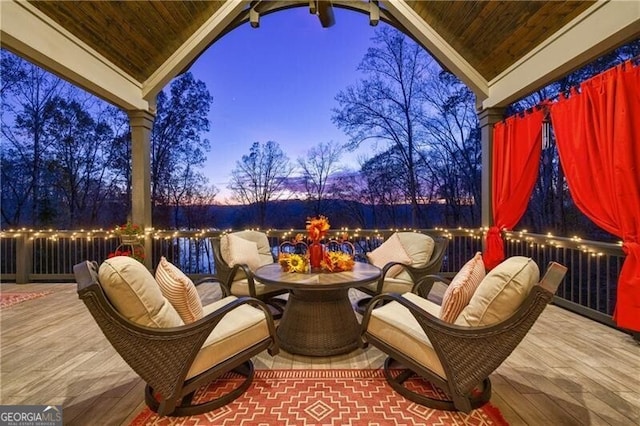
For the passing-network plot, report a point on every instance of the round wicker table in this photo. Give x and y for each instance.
(318, 319)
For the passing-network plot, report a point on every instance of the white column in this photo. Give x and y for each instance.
(141, 123)
(487, 117)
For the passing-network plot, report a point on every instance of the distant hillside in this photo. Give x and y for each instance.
(293, 213)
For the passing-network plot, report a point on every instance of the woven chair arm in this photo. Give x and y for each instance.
(247, 272)
(219, 313)
(161, 356)
(469, 354)
(426, 283)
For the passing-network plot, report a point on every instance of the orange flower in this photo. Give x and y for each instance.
(317, 227)
(337, 261)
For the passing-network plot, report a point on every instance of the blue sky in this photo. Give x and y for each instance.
(278, 82)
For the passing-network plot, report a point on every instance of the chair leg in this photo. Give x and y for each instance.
(187, 408)
(467, 403)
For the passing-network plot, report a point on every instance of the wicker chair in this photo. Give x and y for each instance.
(239, 279)
(164, 357)
(457, 359)
(415, 277)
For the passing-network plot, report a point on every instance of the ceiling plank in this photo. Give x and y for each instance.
(438, 46)
(601, 28)
(36, 37)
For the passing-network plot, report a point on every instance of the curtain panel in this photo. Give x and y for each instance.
(598, 138)
(517, 144)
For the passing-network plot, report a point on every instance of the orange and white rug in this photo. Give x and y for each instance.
(321, 397)
(10, 298)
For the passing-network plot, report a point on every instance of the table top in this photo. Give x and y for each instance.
(361, 274)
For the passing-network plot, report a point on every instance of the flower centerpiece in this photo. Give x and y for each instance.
(293, 255)
(317, 228)
(339, 255)
(337, 261)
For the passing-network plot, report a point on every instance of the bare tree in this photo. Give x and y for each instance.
(76, 165)
(27, 91)
(176, 140)
(386, 106)
(387, 185)
(259, 177)
(317, 167)
(352, 192)
(454, 154)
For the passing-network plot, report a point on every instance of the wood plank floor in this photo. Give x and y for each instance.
(568, 370)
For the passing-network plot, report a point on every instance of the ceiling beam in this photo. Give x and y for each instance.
(325, 13)
(31, 34)
(193, 47)
(598, 30)
(438, 46)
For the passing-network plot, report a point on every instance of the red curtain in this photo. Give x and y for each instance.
(598, 137)
(516, 158)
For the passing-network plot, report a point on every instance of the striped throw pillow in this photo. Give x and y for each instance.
(179, 291)
(461, 289)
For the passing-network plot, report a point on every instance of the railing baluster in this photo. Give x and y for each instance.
(591, 281)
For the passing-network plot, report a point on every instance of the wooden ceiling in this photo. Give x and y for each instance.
(493, 35)
(139, 36)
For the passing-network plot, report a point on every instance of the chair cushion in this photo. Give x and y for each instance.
(261, 240)
(392, 285)
(179, 290)
(238, 330)
(135, 294)
(241, 288)
(501, 292)
(461, 288)
(395, 325)
(419, 247)
(391, 250)
(237, 251)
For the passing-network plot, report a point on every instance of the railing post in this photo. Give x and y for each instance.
(24, 258)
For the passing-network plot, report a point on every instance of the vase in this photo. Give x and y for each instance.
(315, 255)
(129, 239)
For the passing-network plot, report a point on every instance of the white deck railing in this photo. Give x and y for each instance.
(589, 287)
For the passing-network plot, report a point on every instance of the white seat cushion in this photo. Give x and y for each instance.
(238, 330)
(393, 285)
(241, 287)
(501, 292)
(135, 293)
(238, 251)
(419, 247)
(243, 252)
(179, 290)
(395, 325)
(261, 240)
(390, 251)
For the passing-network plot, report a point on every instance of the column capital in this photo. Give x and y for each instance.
(490, 116)
(141, 118)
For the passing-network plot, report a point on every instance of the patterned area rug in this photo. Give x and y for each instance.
(321, 397)
(10, 298)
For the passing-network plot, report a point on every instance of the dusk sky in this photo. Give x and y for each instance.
(278, 82)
